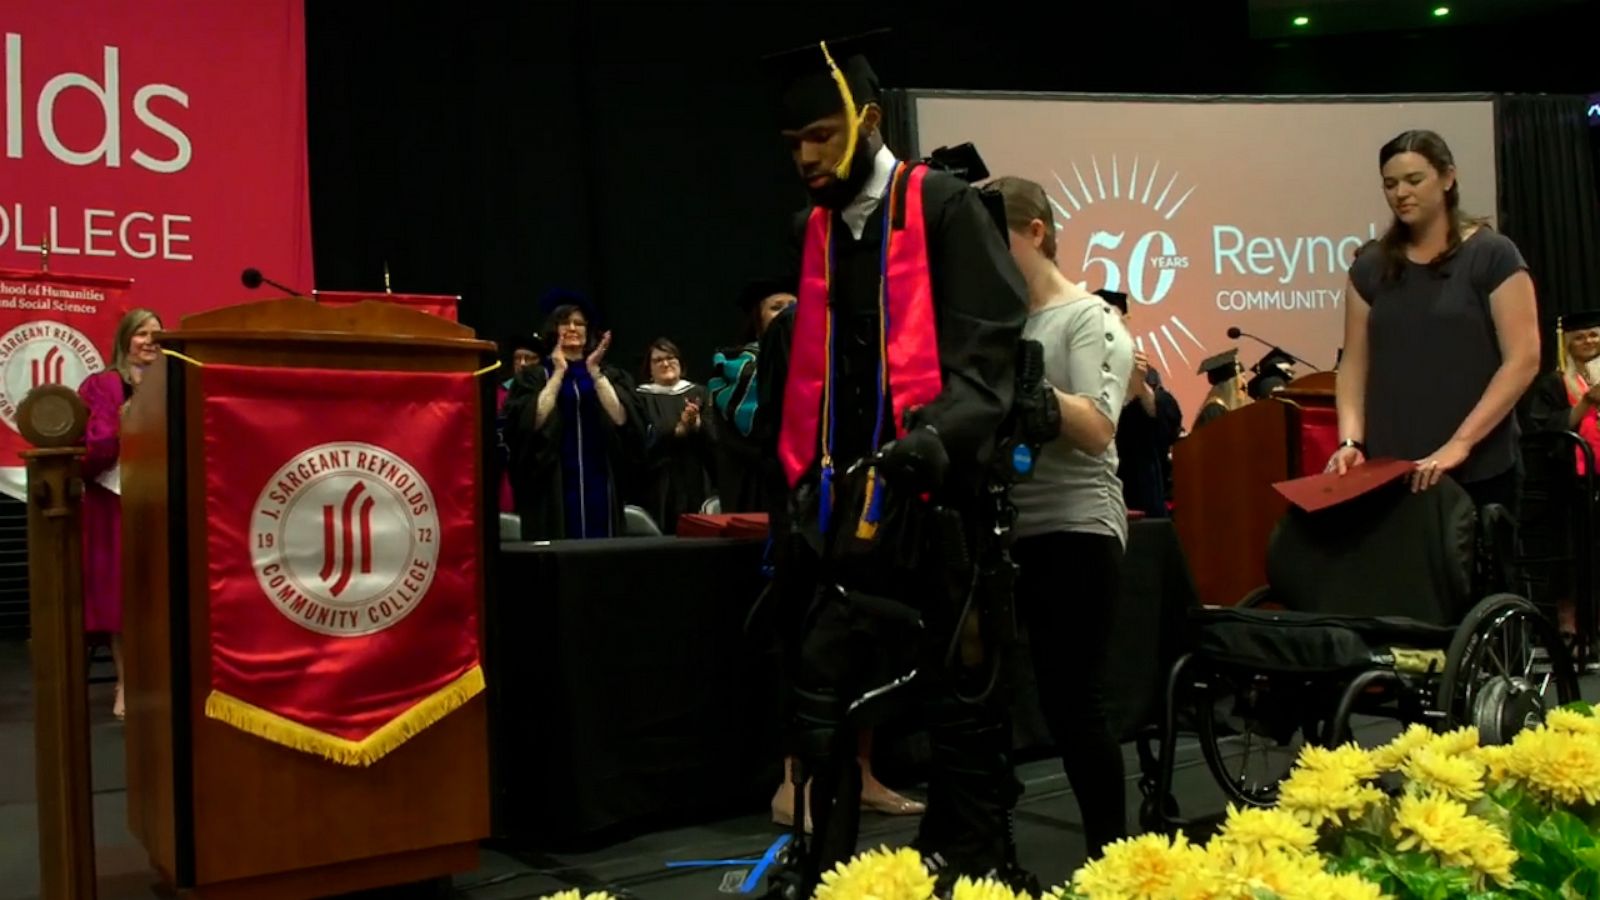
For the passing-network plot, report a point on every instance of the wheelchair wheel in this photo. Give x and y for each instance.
(1506, 666)
(1251, 730)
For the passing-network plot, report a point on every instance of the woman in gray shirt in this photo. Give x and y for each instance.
(1072, 522)
(1441, 335)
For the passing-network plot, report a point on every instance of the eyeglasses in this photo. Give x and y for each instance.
(659, 360)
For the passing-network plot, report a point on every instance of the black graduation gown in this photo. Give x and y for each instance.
(675, 480)
(980, 306)
(1209, 411)
(1548, 408)
(1143, 444)
(536, 454)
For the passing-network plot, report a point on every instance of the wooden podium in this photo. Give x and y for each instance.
(1224, 507)
(222, 813)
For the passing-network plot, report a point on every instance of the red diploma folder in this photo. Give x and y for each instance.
(1318, 492)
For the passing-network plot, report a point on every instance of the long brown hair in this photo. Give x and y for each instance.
(1431, 147)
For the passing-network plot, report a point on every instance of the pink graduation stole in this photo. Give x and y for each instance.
(1588, 427)
(907, 336)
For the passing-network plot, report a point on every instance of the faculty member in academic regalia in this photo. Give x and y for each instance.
(107, 395)
(522, 352)
(1150, 423)
(573, 431)
(676, 452)
(905, 340)
(742, 436)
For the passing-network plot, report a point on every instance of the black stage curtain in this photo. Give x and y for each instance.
(1549, 203)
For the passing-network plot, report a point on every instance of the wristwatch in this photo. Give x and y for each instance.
(1347, 442)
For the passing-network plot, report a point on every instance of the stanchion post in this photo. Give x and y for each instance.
(53, 419)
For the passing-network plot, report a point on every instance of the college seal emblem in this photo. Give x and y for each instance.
(39, 353)
(344, 539)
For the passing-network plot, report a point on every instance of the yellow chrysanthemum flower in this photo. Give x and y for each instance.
(1560, 765)
(1145, 867)
(1454, 743)
(1319, 796)
(1266, 829)
(1442, 826)
(1389, 757)
(1243, 872)
(1572, 722)
(1457, 776)
(987, 889)
(1495, 760)
(577, 895)
(880, 874)
(1346, 758)
(1342, 887)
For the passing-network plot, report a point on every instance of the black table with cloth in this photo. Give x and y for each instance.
(624, 694)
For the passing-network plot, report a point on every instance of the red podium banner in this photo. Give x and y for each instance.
(342, 554)
(54, 329)
(441, 305)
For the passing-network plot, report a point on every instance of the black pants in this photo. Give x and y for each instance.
(1065, 593)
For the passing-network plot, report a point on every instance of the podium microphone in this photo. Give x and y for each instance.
(1235, 333)
(252, 279)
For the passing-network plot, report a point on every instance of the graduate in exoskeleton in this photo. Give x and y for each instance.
(899, 375)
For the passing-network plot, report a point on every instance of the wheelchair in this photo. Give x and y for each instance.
(1369, 610)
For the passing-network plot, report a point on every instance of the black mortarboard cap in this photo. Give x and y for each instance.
(555, 298)
(1580, 321)
(1223, 366)
(1268, 365)
(760, 289)
(530, 341)
(806, 83)
(1115, 298)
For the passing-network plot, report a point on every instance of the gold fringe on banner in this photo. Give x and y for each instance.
(195, 362)
(270, 726)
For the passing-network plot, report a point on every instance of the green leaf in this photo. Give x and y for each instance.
(1588, 858)
(1580, 706)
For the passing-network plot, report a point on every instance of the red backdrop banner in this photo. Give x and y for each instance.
(441, 305)
(342, 553)
(163, 140)
(54, 329)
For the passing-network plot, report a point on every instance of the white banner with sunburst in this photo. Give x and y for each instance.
(1212, 213)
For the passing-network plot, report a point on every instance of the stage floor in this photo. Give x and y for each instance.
(1048, 827)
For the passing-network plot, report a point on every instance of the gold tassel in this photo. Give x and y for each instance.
(1561, 349)
(866, 530)
(851, 115)
(275, 728)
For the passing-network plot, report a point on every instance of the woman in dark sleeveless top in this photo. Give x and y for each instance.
(1441, 335)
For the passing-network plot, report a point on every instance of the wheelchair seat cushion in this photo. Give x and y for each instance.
(1282, 641)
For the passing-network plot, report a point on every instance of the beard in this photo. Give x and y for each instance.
(839, 192)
